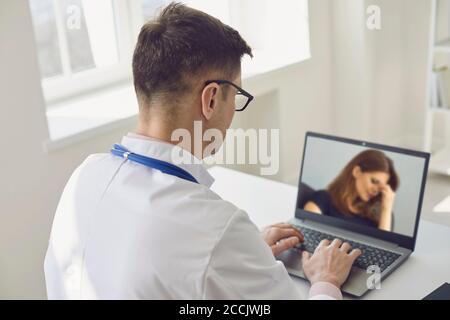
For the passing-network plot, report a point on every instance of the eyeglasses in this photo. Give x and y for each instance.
(242, 98)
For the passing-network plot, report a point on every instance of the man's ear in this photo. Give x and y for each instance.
(356, 172)
(210, 96)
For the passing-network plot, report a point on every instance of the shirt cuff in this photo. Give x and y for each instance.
(320, 290)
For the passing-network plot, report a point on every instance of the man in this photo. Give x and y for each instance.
(132, 225)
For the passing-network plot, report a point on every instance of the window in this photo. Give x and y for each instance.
(83, 44)
(85, 47)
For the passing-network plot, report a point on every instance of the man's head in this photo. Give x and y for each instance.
(175, 55)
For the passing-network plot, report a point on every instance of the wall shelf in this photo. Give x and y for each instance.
(440, 110)
(442, 46)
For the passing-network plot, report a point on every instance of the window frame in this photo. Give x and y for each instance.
(69, 85)
(128, 21)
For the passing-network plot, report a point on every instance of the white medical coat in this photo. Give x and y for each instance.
(126, 231)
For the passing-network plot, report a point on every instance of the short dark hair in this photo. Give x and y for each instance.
(179, 44)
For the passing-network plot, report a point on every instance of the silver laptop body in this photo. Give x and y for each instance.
(399, 241)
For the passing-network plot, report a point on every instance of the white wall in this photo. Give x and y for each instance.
(379, 77)
(370, 71)
(389, 70)
(301, 95)
(331, 92)
(351, 63)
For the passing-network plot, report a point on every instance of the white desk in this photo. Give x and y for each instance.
(267, 202)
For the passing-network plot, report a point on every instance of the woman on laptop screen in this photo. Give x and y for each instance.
(363, 192)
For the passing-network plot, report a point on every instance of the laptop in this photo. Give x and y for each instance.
(366, 194)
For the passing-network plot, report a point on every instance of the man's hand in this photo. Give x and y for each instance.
(330, 262)
(281, 237)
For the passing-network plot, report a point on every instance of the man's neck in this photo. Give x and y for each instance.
(157, 131)
(155, 135)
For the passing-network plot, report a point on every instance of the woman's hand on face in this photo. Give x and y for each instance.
(387, 198)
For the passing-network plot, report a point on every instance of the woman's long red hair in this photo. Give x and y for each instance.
(343, 188)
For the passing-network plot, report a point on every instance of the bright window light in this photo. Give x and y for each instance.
(85, 44)
(101, 30)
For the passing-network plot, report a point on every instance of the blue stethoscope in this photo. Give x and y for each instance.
(163, 166)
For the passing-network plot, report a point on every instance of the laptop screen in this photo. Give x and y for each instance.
(362, 184)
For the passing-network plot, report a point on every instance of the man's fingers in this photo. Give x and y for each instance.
(336, 243)
(284, 245)
(323, 243)
(355, 254)
(291, 227)
(289, 232)
(282, 225)
(345, 247)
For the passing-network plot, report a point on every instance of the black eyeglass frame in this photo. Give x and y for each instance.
(239, 91)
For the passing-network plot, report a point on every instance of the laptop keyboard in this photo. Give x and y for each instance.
(370, 255)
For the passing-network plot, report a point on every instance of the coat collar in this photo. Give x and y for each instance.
(163, 151)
